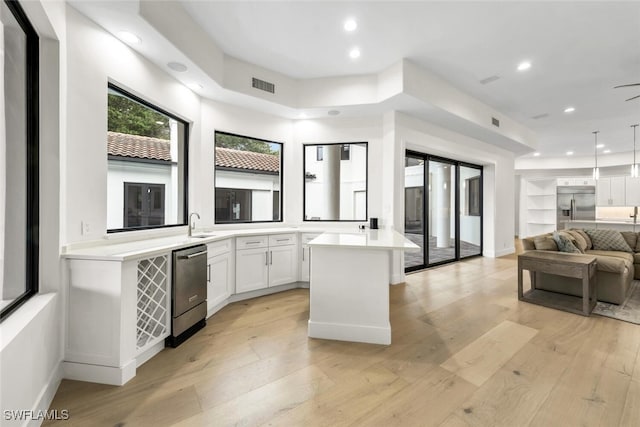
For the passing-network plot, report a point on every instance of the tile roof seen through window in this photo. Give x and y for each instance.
(139, 147)
(249, 160)
(144, 147)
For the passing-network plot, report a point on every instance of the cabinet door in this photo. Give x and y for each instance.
(305, 264)
(283, 265)
(617, 191)
(218, 274)
(252, 270)
(632, 190)
(603, 192)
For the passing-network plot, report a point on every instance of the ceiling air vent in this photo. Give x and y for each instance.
(495, 122)
(262, 85)
(489, 79)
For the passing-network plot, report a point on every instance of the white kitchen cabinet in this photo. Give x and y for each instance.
(305, 253)
(575, 181)
(632, 191)
(269, 261)
(610, 191)
(283, 266)
(218, 273)
(252, 269)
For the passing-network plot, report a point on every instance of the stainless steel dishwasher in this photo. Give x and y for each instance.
(188, 293)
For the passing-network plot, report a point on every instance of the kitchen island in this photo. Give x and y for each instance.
(349, 290)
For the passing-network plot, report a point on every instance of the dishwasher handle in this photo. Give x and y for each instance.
(192, 255)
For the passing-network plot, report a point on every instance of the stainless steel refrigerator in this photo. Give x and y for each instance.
(575, 203)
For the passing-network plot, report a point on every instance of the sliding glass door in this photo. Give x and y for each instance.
(443, 210)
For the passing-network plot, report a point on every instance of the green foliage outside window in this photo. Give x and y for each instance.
(127, 116)
(245, 144)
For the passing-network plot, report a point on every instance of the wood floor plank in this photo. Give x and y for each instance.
(478, 361)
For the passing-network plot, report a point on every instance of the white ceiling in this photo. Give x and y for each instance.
(578, 51)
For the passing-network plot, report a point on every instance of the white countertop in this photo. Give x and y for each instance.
(124, 251)
(365, 239)
(601, 221)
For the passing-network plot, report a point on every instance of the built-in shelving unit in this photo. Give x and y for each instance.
(540, 206)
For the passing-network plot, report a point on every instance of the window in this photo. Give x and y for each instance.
(19, 212)
(147, 164)
(335, 190)
(143, 204)
(248, 179)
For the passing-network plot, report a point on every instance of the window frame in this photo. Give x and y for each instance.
(184, 153)
(281, 175)
(32, 135)
(305, 177)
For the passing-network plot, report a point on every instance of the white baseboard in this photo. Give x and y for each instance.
(100, 374)
(354, 333)
(47, 394)
(149, 353)
(505, 251)
(262, 292)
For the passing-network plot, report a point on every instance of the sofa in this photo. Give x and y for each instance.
(617, 263)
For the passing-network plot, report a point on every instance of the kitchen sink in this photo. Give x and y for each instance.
(202, 236)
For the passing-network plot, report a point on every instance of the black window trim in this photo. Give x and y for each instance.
(185, 156)
(304, 181)
(222, 168)
(33, 160)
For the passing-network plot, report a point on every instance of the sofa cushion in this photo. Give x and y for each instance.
(614, 254)
(565, 244)
(578, 240)
(636, 258)
(612, 264)
(630, 237)
(545, 243)
(586, 237)
(608, 240)
(637, 245)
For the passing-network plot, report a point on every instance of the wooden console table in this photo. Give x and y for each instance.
(578, 266)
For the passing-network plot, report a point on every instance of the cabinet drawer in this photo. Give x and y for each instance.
(249, 242)
(307, 237)
(218, 248)
(282, 239)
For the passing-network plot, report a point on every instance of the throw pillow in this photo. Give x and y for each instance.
(545, 243)
(578, 240)
(630, 237)
(565, 244)
(586, 237)
(608, 240)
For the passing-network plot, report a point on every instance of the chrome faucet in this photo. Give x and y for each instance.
(635, 215)
(192, 225)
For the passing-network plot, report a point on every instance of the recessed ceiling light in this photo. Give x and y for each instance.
(333, 112)
(536, 154)
(606, 151)
(177, 66)
(569, 110)
(195, 86)
(350, 25)
(525, 65)
(569, 153)
(354, 53)
(599, 145)
(302, 116)
(128, 37)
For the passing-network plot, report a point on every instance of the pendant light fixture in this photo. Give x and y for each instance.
(596, 169)
(634, 166)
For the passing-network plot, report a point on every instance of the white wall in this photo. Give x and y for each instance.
(94, 58)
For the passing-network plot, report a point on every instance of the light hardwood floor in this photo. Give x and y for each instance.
(465, 351)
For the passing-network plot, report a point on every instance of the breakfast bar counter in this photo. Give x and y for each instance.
(349, 290)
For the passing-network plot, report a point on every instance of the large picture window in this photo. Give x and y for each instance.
(335, 182)
(147, 164)
(248, 179)
(18, 159)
